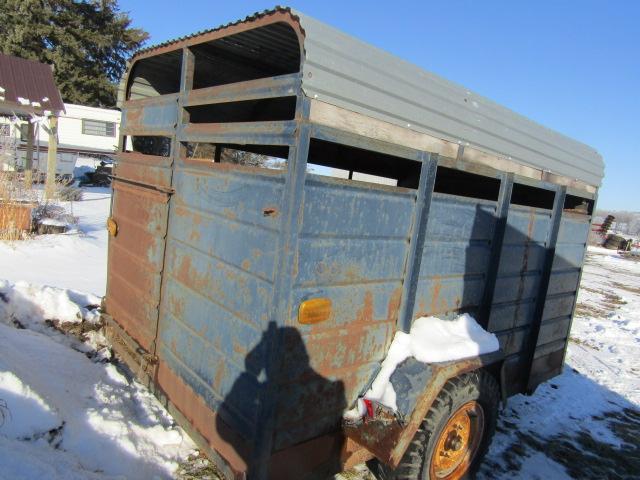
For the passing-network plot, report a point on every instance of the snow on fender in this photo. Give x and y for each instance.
(430, 340)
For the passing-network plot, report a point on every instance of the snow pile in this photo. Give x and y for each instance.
(29, 305)
(63, 408)
(27, 416)
(430, 340)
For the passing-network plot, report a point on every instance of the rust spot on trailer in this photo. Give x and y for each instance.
(394, 304)
(229, 213)
(239, 348)
(133, 117)
(177, 305)
(435, 296)
(365, 314)
(270, 212)
(220, 373)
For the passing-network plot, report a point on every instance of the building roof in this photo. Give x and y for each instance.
(344, 71)
(25, 82)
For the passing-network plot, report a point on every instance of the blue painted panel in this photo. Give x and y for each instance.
(218, 285)
(558, 306)
(365, 303)
(337, 210)
(573, 230)
(455, 257)
(247, 296)
(568, 256)
(526, 225)
(236, 195)
(521, 258)
(563, 282)
(220, 328)
(332, 261)
(342, 349)
(456, 254)
(554, 330)
(514, 340)
(353, 247)
(511, 315)
(439, 295)
(516, 288)
(245, 426)
(459, 219)
(238, 244)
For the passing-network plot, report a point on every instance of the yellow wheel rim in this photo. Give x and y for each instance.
(458, 443)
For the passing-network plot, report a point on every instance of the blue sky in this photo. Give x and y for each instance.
(572, 65)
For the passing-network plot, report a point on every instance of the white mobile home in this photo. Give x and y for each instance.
(88, 134)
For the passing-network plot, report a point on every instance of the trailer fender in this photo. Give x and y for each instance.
(417, 385)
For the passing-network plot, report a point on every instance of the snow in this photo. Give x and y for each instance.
(53, 222)
(430, 340)
(28, 416)
(75, 260)
(107, 423)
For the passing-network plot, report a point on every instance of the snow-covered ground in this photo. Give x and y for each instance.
(75, 260)
(585, 423)
(67, 411)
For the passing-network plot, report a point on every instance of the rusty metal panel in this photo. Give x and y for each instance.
(151, 170)
(136, 252)
(218, 284)
(352, 248)
(456, 254)
(152, 118)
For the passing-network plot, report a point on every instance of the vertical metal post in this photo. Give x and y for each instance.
(556, 217)
(182, 117)
(293, 204)
(502, 212)
(28, 164)
(418, 235)
(52, 157)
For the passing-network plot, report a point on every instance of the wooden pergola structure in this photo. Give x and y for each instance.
(28, 90)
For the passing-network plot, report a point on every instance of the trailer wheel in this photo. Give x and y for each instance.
(455, 434)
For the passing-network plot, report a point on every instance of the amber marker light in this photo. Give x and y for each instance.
(315, 310)
(112, 227)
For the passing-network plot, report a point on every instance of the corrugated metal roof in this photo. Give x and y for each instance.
(344, 71)
(28, 80)
(248, 18)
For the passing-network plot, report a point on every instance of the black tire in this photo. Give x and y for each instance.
(478, 386)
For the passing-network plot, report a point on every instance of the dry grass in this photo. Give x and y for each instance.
(16, 202)
(22, 205)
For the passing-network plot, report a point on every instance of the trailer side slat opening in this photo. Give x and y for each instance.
(356, 164)
(464, 184)
(528, 196)
(268, 109)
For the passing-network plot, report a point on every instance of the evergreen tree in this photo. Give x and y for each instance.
(87, 41)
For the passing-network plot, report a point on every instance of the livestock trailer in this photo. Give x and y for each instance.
(286, 198)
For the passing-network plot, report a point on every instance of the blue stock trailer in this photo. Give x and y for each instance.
(287, 198)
